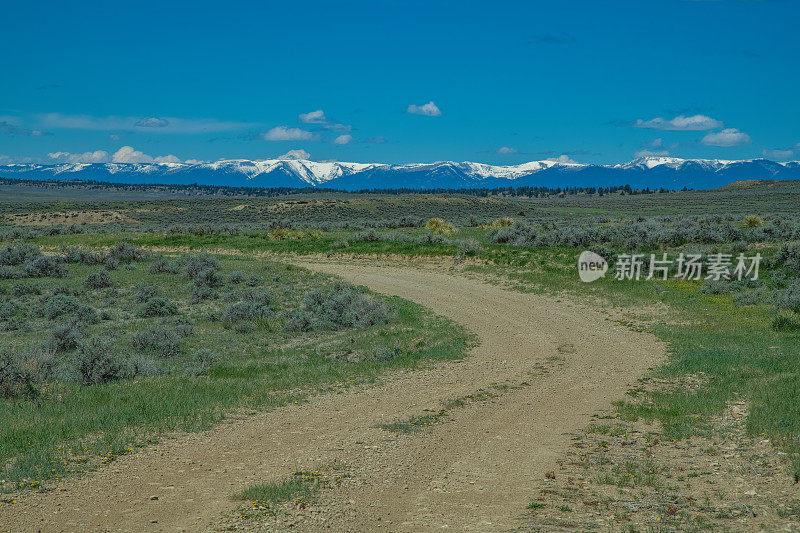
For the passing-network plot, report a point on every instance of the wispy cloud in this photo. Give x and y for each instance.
(318, 117)
(283, 133)
(726, 137)
(12, 129)
(120, 123)
(507, 150)
(343, 139)
(778, 155)
(680, 123)
(651, 153)
(152, 122)
(313, 117)
(430, 109)
(99, 156)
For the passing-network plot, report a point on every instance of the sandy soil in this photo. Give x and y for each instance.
(556, 364)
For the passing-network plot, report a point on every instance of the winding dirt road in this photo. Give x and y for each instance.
(475, 471)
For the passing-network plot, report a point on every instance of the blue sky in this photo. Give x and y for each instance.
(501, 82)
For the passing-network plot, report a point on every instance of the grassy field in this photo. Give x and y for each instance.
(728, 341)
(119, 347)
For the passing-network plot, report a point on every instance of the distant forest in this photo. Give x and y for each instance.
(271, 192)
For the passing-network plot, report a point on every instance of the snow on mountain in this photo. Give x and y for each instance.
(670, 172)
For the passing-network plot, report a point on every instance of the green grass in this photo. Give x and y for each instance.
(735, 350)
(278, 491)
(738, 351)
(70, 427)
(735, 353)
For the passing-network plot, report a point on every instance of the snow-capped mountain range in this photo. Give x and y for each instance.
(653, 172)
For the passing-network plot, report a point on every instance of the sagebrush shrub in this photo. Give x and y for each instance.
(201, 361)
(711, 286)
(254, 281)
(160, 340)
(100, 279)
(76, 254)
(195, 264)
(86, 314)
(203, 292)
(343, 306)
(58, 305)
(470, 247)
(17, 254)
(22, 371)
(125, 252)
(256, 306)
(208, 277)
(43, 267)
(143, 291)
(10, 272)
(745, 298)
(22, 289)
(786, 321)
(158, 306)
(11, 309)
(97, 361)
(788, 298)
(65, 337)
(164, 266)
(788, 257)
(142, 366)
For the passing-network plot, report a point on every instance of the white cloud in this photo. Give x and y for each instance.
(726, 137)
(11, 128)
(314, 117)
(152, 122)
(343, 139)
(282, 133)
(113, 137)
(194, 161)
(99, 156)
(127, 154)
(318, 117)
(296, 154)
(651, 153)
(778, 155)
(428, 109)
(563, 159)
(680, 123)
(341, 128)
(167, 159)
(119, 123)
(506, 150)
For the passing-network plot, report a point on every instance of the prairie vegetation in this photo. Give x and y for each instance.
(103, 350)
(213, 333)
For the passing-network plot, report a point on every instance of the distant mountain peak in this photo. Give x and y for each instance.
(649, 171)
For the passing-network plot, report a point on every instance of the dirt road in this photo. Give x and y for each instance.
(475, 471)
